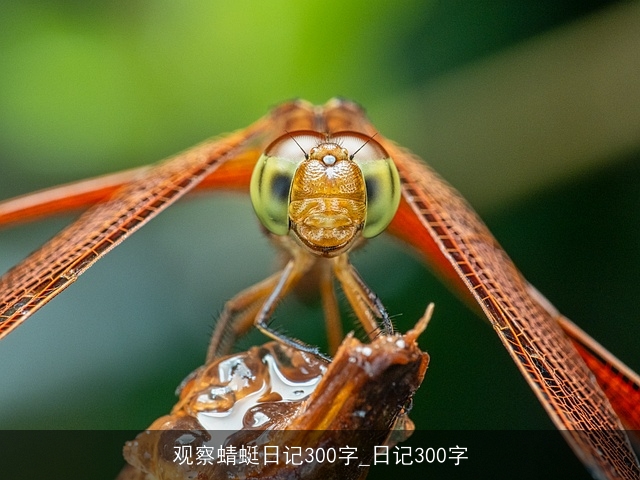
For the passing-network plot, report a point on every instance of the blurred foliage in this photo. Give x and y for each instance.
(93, 87)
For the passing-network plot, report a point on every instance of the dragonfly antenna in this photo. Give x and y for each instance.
(361, 146)
(306, 155)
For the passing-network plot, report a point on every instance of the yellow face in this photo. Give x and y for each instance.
(328, 201)
(326, 191)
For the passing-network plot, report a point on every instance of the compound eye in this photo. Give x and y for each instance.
(380, 177)
(272, 177)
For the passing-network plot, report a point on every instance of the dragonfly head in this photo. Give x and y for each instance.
(327, 191)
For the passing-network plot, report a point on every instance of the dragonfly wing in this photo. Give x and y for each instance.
(619, 382)
(233, 173)
(64, 198)
(543, 353)
(58, 263)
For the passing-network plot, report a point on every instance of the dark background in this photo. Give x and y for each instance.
(530, 109)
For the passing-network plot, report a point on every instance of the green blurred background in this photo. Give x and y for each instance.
(530, 109)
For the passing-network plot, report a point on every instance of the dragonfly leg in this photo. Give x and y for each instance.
(331, 309)
(291, 274)
(255, 306)
(365, 303)
(238, 315)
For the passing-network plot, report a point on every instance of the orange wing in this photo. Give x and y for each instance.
(45, 273)
(543, 353)
(618, 382)
(232, 173)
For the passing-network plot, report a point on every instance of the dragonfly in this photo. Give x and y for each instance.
(589, 394)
